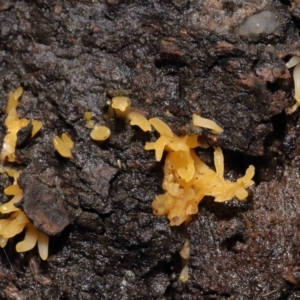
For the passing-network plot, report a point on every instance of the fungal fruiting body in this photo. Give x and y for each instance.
(17, 221)
(295, 62)
(13, 125)
(89, 122)
(206, 123)
(36, 126)
(121, 108)
(64, 145)
(100, 133)
(187, 179)
(185, 256)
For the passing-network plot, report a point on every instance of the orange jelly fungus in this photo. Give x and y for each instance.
(89, 122)
(88, 115)
(121, 106)
(206, 123)
(13, 125)
(36, 126)
(139, 120)
(187, 179)
(100, 133)
(64, 145)
(17, 221)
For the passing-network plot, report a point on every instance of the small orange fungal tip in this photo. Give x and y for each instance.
(67, 140)
(294, 61)
(206, 123)
(121, 106)
(64, 145)
(3, 241)
(13, 99)
(11, 173)
(10, 205)
(139, 120)
(100, 133)
(184, 274)
(43, 245)
(88, 115)
(90, 124)
(185, 250)
(13, 190)
(36, 126)
(161, 127)
(30, 239)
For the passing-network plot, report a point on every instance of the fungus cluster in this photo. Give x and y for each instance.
(121, 108)
(98, 133)
(64, 145)
(185, 256)
(187, 179)
(15, 220)
(295, 62)
(13, 125)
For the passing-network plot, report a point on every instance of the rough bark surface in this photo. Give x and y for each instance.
(172, 58)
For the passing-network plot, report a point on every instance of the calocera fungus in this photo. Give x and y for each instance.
(206, 123)
(100, 133)
(13, 125)
(88, 115)
(187, 178)
(139, 120)
(121, 108)
(295, 62)
(185, 256)
(36, 126)
(64, 145)
(89, 122)
(17, 221)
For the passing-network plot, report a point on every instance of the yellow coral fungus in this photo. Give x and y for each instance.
(206, 123)
(121, 106)
(139, 120)
(64, 145)
(36, 126)
(14, 124)
(17, 221)
(13, 99)
(100, 133)
(188, 179)
(89, 122)
(88, 115)
(295, 62)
